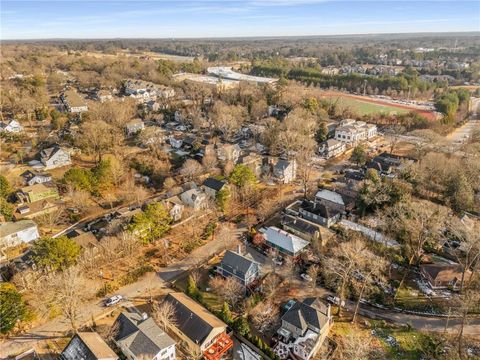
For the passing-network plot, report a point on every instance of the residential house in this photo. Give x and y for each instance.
(73, 102)
(87, 346)
(334, 200)
(285, 171)
(16, 233)
(195, 199)
(352, 132)
(35, 209)
(133, 127)
(202, 330)
(332, 148)
(386, 163)
(84, 239)
(253, 162)
(140, 338)
(304, 328)
(285, 242)
(55, 157)
(212, 186)
(444, 275)
(175, 207)
(303, 228)
(229, 152)
(103, 96)
(241, 267)
(11, 127)
(319, 213)
(34, 177)
(36, 192)
(146, 91)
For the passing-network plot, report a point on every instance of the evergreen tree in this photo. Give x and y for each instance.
(226, 314)
(12, 307)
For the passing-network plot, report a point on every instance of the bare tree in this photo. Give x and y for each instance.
(164, 314)
(264, 315)
(469, 253)
(313, 272)
(353, 347)
(227, 118)
(229, 289)
(191, 169)
(97, 137)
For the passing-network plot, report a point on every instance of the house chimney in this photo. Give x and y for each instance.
(239, 249)
(144, 316)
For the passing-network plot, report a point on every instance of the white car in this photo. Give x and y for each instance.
(306, 277)
(335, 300)
(113, 300)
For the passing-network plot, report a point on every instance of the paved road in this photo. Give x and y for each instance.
(152, 282)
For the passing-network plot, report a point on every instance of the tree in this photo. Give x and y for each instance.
(97, 137)
(304, 157)
(469, 236)
(6, 209)
(460, 193)
(241, 326)
(5, 188)
(151, 224)
(359, 155)
(229, 289)
(70, 289)
(313, 272)
(222, 198)
(353, 346)
(414, 224)
(227, 119)
(55, 253)
(12, 307)
(264, 315)
(79, 179)
(322, 133)
(192, 289)
(164, 314)
(242, 176)
(191, 169)
(226, 314)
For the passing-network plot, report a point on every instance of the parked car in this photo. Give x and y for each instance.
(288, 305)
(278, 261)
(306, 277)
(113, 300)
(335, 300)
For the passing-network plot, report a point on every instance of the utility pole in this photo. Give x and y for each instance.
(364, 87)
(446, 322)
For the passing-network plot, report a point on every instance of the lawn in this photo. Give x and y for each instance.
(365, 108)
(396, 342)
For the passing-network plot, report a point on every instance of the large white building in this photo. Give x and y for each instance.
(226, 72)
(145, 91)
(353, 132)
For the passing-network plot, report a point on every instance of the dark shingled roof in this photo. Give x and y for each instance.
(300, 225)
(142, 337)
(214, 184)
(302, 315)
(192, 319)
(318, 209)
(232, 260)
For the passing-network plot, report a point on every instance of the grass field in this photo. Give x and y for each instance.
(365, 108)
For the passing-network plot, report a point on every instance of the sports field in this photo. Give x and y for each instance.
(366, 108)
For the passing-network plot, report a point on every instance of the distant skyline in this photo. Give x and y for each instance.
(40, 19)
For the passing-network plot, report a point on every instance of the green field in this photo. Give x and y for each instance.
(365, 108)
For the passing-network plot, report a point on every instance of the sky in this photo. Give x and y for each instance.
(38, 19)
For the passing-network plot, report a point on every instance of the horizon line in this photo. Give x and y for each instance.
(244, 37)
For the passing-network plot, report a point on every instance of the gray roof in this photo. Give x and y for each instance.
(282, 164)
(87, 346)
(142, 337)
(233, 260)
(10, 227)
(214, 184)
(302, 316)
(300, 225)
(318, 209)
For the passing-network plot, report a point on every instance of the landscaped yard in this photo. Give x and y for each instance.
(365, 108)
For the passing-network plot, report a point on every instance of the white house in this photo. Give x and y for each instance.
(175, 207)
(285, 242)
(140, 338)
(12, 127)
(32, 178)
(194, 198)
(229, 152)
(332, 148)
(16, 233)
(285, 171)
(55, 157)
(352, 132)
